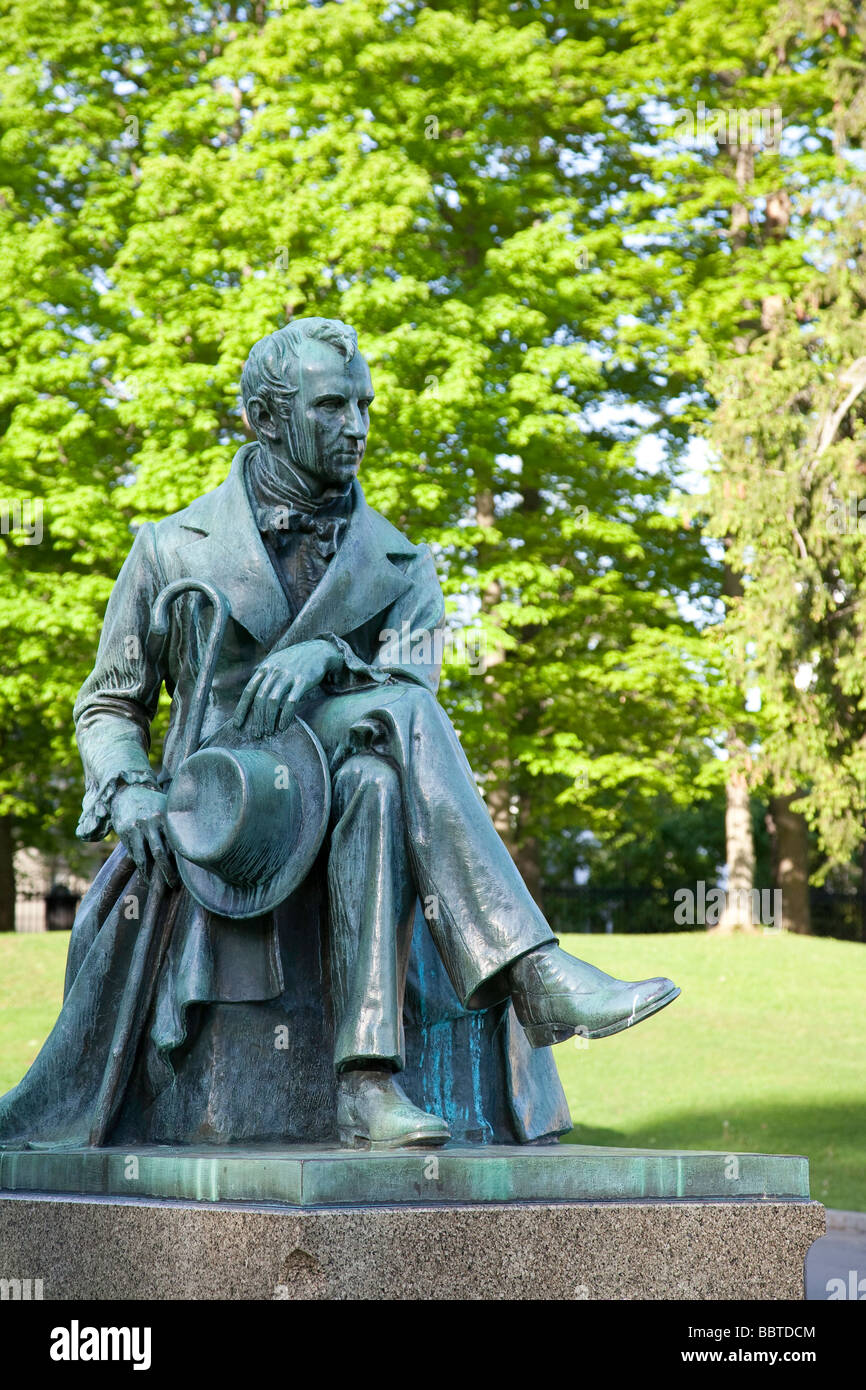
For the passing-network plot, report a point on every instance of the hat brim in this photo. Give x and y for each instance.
(302, 752)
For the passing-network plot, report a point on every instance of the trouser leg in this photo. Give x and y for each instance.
(372, 908)
(480, 912)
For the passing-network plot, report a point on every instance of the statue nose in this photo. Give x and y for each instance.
(355, 427)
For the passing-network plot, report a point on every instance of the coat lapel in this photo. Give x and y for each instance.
(224, 546)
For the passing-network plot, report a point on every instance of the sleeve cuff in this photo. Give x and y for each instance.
(355, 673)
(95, 821)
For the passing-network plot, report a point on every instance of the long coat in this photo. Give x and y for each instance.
(239, 1040)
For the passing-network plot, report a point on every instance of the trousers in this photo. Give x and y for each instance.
(409, 822)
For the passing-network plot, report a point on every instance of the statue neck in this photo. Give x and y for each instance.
(273, 482)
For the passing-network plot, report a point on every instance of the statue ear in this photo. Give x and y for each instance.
(261, 417)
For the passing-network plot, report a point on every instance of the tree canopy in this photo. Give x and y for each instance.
(546, 269)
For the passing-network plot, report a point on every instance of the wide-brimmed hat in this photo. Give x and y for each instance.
(246, 817)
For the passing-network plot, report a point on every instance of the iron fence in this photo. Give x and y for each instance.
(51, 911)
(632, 908)
(586, 909)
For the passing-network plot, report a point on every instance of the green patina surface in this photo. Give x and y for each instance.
(322, 1176)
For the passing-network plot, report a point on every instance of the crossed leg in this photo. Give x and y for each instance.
(409, 821)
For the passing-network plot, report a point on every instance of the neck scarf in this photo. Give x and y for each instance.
(275, 483)
(282, 509)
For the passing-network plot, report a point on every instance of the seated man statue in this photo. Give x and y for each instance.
(315, 581)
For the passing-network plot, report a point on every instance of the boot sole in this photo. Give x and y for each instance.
(548, 1034)
(352, 1139)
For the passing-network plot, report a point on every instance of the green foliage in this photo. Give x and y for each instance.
(790, 499)
(462, 183)
(754, 219)
(548, 278)
(58, 443)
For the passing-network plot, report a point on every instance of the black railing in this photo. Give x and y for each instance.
(632, 908)
(589, 909)
(51, 911)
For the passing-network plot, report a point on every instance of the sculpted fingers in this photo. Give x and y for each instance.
(287, 713)
(248, 696)
(263, 704)
(134, 840)
(162, 855)
(137, 813)
(272, 692)
(302, 686)
(274, 704)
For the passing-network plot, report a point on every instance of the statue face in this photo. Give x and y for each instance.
(326, 432)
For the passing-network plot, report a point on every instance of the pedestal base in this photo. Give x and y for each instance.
(108, 1248)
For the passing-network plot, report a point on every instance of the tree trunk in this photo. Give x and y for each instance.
(507, 806)
(498, 790)
(739, 840)
(499, 801)
(527, 855)
(740, 847)
(737, 914)
(7, 875)
(526, 859)
(791, 845)
(790, 831)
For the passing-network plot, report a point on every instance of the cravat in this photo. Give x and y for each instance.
(280, 522)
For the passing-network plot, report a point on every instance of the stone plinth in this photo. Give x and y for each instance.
(108, 1248)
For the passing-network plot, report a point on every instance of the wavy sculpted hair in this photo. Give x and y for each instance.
(271, 370)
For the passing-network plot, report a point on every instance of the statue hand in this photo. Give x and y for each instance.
(281, 680)
(137, 817)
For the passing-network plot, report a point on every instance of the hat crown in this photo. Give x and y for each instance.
(247, 817)
(235, 812)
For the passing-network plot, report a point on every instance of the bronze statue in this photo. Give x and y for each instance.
(312, 793)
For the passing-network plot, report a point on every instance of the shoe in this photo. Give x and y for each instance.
(555, 996)
(374, 1112)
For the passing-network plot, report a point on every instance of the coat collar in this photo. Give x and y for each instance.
(224, 546)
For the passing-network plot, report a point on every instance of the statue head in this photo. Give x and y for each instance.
(306, 391)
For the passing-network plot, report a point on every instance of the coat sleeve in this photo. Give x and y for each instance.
(410, 640)
(117, 702)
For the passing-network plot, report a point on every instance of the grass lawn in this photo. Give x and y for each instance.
(765, 1051)
(31, 991)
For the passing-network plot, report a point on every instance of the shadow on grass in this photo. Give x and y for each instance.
(831, 1136)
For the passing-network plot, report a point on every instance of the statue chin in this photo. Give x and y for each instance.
(312, 476)
(344, 474)
(337, 472)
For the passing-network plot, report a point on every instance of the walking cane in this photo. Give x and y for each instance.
(155, 931)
